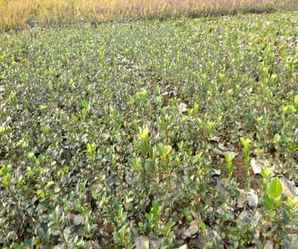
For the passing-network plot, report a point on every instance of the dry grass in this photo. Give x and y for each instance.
(20, 13)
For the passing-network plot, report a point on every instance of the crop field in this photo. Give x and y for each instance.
(155, 134)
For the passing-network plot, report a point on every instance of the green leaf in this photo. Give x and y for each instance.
(266, 173)
(18, 246)
(268, 203)
(274, 189)
(296, 102)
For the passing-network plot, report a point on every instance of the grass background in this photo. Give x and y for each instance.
(27, 13)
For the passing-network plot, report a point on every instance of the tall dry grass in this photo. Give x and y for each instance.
(21, 13)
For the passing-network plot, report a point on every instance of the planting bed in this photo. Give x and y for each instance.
(160, 134)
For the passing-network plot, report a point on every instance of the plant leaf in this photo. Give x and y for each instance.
(274, 188)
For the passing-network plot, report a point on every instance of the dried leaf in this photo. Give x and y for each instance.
(268, 245)
(183, 247)
(256, 168)
(252, 199)
(182, 108)
(75, 219)
(191, 230)
(288, 188)
(142, 242)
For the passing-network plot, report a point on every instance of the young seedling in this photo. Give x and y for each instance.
(3, 130)
(292, 203)
(272, 189)
(211, 126)
(194, 110)
(246, 147)
(153, 217)
(5, 175)
(91, 151)
(229, 158)
(266, 173)
(141, 96)
(141, 99)
(164, 152)
(273, 192)
(143, 142)
(122, 236)
(296, 102)
(136, 164)
(289, 109)
(85, 108)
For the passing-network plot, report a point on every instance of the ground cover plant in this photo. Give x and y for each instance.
(19, 14)
(174, 134)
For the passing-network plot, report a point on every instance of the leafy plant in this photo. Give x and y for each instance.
(273, 191)
(246, 148)
(91, 151)
(153, 217)
(229, 157)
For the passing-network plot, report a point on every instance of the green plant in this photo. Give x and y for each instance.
(273, 191)
(143, 142)
(296, 102)
(85, 107)
(153, 218)
(246, 149)
(123, 234)
(5, 174)
(164, 153)
(229, 157)
(91, 151)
